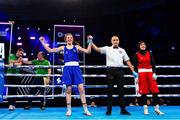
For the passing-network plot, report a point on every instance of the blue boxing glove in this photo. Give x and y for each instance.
(135, 74)
(89, 39)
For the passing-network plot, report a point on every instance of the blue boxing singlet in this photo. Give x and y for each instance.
(71, 54)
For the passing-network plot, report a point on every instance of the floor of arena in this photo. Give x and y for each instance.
(171, 112)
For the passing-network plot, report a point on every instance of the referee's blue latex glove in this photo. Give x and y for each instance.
(135, 74)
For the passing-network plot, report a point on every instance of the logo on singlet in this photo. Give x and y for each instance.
(74, 50)
(66, 52)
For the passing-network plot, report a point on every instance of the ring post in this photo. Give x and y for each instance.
(1, 79)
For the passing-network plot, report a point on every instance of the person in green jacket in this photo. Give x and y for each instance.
(40, 61)
(13, 60)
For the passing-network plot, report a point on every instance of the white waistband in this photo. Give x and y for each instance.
(73, 63)
(144, 70)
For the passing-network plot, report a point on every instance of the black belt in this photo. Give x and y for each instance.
(115, 68)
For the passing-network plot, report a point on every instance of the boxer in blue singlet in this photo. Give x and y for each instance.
(72, 74)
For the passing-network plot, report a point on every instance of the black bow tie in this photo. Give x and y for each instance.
(115, 47)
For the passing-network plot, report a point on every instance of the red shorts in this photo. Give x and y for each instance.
(146, 83)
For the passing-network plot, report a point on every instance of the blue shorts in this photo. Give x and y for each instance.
(72, 75)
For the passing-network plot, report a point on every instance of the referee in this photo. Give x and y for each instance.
(115, 56)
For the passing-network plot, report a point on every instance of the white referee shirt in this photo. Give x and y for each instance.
(114, 57)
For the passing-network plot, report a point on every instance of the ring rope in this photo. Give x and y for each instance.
(82, 66)
(86, 86)
(85, 75)
(95, 96)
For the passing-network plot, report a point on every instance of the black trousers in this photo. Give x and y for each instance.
(115, 76)
(34, 91)
(12, 90)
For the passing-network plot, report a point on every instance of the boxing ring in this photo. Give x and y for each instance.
(99, 112)
(89, 86)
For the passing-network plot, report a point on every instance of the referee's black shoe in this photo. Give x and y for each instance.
(125, 112)
(108, 112)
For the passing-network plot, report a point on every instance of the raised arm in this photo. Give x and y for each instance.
(83, 50)
(97, 49)
(50, 50)
(89, 42)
